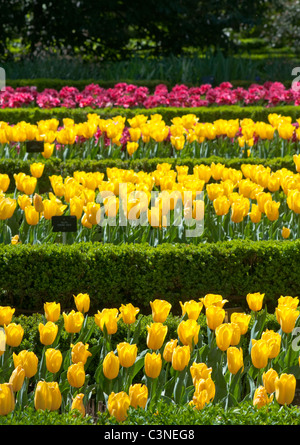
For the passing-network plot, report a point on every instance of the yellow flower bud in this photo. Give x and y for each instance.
(17, 378)
(181, 357)
(82, 302)
(127, 354)
(111, 366)
(48, 333)
(153, 365)
(156, 335)
(53, 360)
(285, 387)
(7, 399)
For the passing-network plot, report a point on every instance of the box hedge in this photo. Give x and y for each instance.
(139, 273)
(205, 114)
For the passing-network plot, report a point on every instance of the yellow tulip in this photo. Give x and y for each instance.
(111, 366)
(108, 318)
(168, 350)
(53, 360)
(235, 359)
(192, 308)
(76, 375)
(156, 335)
(291, 302)
(127, 354)
(82, 302)
(24, 201)
(261, 397)
(242, 320)
(29, 184)
(213, 300)
(28, 360)
(200, 371)
(73, 321)
(37, 169)
(285, 232)
(118, 405)
(31, 215)
(7, 207)
(255, 214)
(42, 396)
(14, 334)
(138, 395)
(221, 205)
(223, 336)
(128, 313)
(188, 332)
(76, 206)
(207, 385)
(260, 353)
(7, 399)
(38, 203)
(80, 353)
(255, 301)
(4, 182)
(271, 210)
(274, 341)
(77, 404)
(52, 311)
(56, 396)
(181, 357)
(236, 334)
(17, 378)
(286, 317)
(153, 365)
(48, 333)
(269, 378)
(160, 310)
(285, 387)
(214, 316)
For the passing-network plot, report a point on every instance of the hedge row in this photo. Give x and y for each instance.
(139, 273)
(58, 84)
(55, 166)
(205, 114)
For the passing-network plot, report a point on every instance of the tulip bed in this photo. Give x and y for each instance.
(130, 96)
(138, 366)
(127, 361)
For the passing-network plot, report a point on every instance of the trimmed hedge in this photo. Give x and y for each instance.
(58, 84)
(205, 114)
(55, 166)
(138, 273)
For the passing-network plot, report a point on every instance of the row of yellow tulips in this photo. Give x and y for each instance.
(252, 194)
(182, 369)
(144, 134)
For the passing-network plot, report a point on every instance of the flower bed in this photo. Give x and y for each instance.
(79, 360)
(125, 95)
